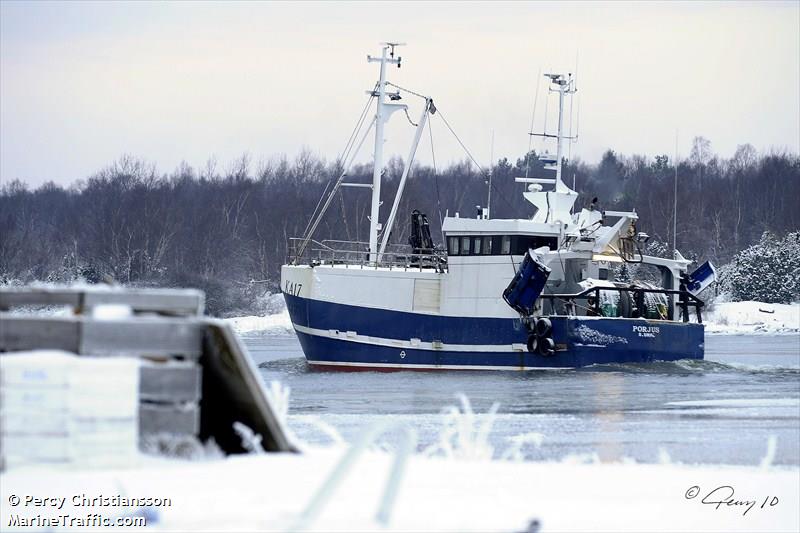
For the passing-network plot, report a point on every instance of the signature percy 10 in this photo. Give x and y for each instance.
(724, 496)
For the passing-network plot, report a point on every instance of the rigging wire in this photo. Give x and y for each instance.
(409, 118)
(572, 139)
(316, 218)
(319, 202)
(474, 161)
(472, 158)
(569, 144)
(578, 118)
(343, 157)
(409, 91)
(533, 116)
(436, 180)
(546, 103)
(307, 237)
(359, 125)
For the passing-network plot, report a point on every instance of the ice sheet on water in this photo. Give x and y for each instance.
(691, 366)
(740, 402)
(734, 408)
(499, 436)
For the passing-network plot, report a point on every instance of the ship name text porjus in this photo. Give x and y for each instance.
(646, 331)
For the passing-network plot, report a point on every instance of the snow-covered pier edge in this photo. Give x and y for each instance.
(268, 492)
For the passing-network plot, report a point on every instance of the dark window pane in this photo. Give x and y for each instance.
(452, 247)
(496, 244)
(464, 245)
(505, 245)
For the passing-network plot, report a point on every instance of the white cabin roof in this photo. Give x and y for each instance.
(497, 226)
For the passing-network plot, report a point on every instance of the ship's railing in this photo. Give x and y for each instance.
(593, 300)
(356, 254)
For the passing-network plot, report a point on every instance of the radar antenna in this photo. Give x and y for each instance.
(391, 51)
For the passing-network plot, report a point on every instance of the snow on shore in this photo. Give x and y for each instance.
(275, 324)
(269, 492)
(731, 318)
(744, 318)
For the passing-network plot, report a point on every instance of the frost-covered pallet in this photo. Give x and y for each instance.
(180, 354)
(169, 394)
(59, 408)
(84, 299)
(161, 327)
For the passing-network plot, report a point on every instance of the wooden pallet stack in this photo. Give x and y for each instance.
(58, 408)
(195, 377)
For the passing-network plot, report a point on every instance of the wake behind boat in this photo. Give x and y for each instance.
(501, 294)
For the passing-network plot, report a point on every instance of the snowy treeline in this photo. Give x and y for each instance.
(218, 228)
(768, 271)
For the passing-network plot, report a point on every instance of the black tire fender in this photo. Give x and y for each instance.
(533, 343)
(543, 327)
(546, 347)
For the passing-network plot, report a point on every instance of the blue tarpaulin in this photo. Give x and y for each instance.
(523, 291)
(701, 278)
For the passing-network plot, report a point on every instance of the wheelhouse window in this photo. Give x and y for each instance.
(498, 244)
(521, 243)
(465, 245)
(452, 246)
(505, 245)
(487, 246)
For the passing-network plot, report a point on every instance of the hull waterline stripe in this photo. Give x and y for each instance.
(394, 343)
(436, 367)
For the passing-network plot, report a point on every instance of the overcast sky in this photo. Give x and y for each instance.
(83, 83)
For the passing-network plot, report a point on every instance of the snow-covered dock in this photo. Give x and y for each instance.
(270, 492)
(188, 374)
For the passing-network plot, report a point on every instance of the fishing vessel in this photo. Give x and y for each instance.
(498, 294)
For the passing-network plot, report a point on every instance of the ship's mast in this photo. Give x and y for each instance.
(564, 87)
(553, 205)
(382, 113)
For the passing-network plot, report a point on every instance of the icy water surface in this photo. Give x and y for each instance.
(721, 410)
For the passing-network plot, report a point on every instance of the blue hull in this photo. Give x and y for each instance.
(339, 335)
